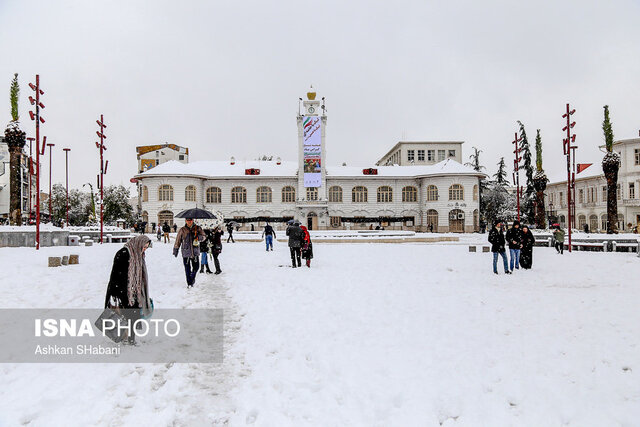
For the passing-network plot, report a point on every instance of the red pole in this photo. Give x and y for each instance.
(50, 193)
(569, 150)
(516, 165)
(37, 161)
(66, 152)
(30, 166)
(102, 172)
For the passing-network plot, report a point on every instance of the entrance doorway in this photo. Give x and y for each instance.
(456, 221)
(312, 221)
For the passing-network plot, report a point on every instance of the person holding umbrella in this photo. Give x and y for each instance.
(188, 242)
(230, 231)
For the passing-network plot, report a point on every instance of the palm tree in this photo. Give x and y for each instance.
(15, 139)
(540, 184)
(610, 166)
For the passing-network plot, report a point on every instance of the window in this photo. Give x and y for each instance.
(335, 194)
(475, 193)
(312, 193)
(145, 193)
(214, 195)
(165, 193)
(620, 222)
(432, 220)
(582, 220)
(604, 194)
(190, 193)
(619, 191)
(181, 157)
(335, 221)
(563, 221)
(409, 194)
(238, 195)
(603, 222)
(561, 199)
(452, 153)
(581, 196)
(632, 190)
(359, 194)
(385, 194)
(593, 223)
(637, 156)
(410, 155)
(157, 153)
(288, 194)
(441, 154)
(263, 195)
(432, 193)
(431, 155)
(456, 192)
(421, 155)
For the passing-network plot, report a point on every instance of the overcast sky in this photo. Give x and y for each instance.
(224, 77)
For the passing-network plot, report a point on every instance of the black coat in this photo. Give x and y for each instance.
(296, 236)
(514, 238)
(117, 288)
(496, 238)
(215, 239)
(528, 240)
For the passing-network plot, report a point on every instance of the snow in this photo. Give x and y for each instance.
(290, 169)
(372, 334)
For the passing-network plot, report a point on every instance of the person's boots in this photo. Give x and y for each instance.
(293, 263)
(202, 268)
(309, 263)
(208, 269)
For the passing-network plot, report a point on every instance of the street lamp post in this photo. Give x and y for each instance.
(66, 154)
(50, 193)
(36, 116)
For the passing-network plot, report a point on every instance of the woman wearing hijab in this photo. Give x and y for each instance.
(307, 247)
(526, 253)
(128, 287)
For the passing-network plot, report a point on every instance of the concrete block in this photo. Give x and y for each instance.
(54, 261)
(472, 248)
(88, 242)
(486, 249)
(73, 240)
(74, 259)
(65, 260)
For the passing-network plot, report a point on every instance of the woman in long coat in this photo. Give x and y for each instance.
(128, 285)
(307, 246)
(526, 253)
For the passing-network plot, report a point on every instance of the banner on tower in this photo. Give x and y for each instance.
(312, 151)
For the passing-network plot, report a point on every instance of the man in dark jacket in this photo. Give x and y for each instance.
(230, 231)
(187, 241)
(296, 236)
(496, 238)
(165, 231)
(514, 239)
(269, 234)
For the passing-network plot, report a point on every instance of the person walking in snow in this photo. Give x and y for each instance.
(204, 253)
(230, 231)
(166, 230)
(269, 234)
(215, 239)
(159, 232)
(296, 236)
(514, 239)
(307, 246)
(128, 287)
(496, 238)
(558, 237)
(188, 242)
(526, 254)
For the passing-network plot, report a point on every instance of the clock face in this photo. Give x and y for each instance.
(311, 110)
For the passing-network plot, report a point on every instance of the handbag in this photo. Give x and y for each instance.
(115, 334)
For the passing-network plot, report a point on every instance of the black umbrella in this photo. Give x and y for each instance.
(196, 213)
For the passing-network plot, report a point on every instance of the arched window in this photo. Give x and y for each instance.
(456, 221)
(190, 193)
(288, 194)
(409, 194)
(165, 193)
(432, 220)
(620, 221)
(476, 220)
(165, 216)
(475, 193)
(593, 223)
(145, 193)
(582, 220)
(312, 193)
(214, 195)
(335, 194)
(456, 192)
(432, 193)
(563, 221)
(238, 195)
(359, 194)
(263, 195)
(603, 222)
(385, 194)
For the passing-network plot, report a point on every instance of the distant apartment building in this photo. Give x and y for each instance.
(407, 153)
(150, 156)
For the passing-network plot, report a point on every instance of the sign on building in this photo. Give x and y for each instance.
(312, 151)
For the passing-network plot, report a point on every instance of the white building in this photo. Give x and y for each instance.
(591, 192)
(150, 156)
(406, 153)
(443, 195)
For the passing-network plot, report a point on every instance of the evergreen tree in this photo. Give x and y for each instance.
(501, 174)
(527, 203)
(540, 183)
(15, 139)
(610, 166)
(475, 160)
(116, 204)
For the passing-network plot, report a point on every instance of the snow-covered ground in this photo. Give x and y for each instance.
(372, 334)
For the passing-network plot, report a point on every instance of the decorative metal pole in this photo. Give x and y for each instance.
(103, 170)
(569, 151)
(66, 154)
(38, 119)
(50, 191)
(516, 171)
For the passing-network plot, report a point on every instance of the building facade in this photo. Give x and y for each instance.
(441, 197)
(591, 192)
(406, 153)
(150, 156)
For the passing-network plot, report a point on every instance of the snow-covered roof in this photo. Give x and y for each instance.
(224, 169)
(560, 175)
